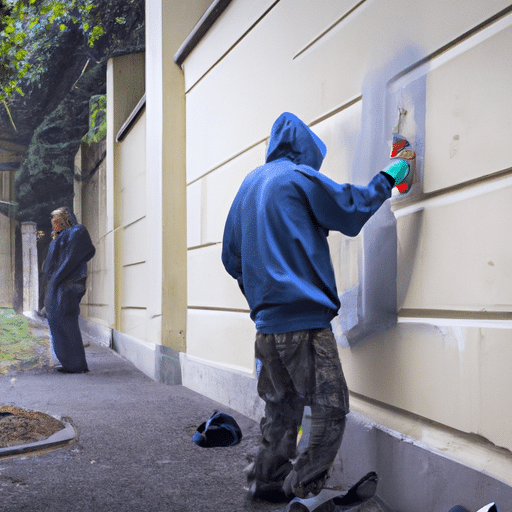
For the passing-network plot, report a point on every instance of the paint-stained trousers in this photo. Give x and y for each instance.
(299, 368)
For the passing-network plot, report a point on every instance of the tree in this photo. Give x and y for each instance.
(52, 61)
(25, 27)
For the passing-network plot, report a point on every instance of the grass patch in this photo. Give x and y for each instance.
(16, 339)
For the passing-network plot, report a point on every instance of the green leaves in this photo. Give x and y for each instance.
(97, 119)
(22, 34)
(20, 54)
(96, 33)
(45, 9)
(19, 37)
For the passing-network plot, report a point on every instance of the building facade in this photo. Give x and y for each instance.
(7, 235)
(426, 321)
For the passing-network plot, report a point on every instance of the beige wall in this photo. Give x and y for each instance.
(6, 272)
(6, 241)
(133, 229)
(346, 73)
(168, 22)
(90, 204)
(165, 190)
(111, 203)
(135, 205)
(126, 206)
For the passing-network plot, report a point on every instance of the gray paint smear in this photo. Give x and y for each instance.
(371, 306)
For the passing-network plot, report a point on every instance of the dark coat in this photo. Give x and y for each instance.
(66, 271)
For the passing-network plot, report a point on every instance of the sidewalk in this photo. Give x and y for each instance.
(134, 450)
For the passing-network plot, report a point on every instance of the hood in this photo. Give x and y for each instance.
(293, 139)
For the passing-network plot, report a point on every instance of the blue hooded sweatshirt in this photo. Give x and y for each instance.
(275, 238)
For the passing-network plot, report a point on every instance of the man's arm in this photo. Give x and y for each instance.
(345, 207)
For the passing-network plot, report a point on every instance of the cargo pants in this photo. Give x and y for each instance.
(298, 369)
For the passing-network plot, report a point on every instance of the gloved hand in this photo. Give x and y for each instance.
(398, 170)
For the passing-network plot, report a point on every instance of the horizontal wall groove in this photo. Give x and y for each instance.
(122, 227)
(202, 246)
(328, 29)
(465, 189)
(323, 117)
(455, 314)
(453, 43)
(337, 110)
(221, 310)
(134, 263)
(232, 46)
(452, 318)
(229, 159)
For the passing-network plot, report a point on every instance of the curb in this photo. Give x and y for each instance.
(62, 437)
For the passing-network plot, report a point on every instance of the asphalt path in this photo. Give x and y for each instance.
(133, 450)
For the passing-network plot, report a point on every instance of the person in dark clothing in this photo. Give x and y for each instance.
(66, 272)
(275, 246)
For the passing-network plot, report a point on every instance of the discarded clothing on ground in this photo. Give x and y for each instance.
(220, 430)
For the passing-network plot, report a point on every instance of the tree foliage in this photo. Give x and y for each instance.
(46, 177)
(97, 119)
(53, 58)
(68, 68)
(25, 27)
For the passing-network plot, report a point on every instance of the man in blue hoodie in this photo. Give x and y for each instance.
(275, 246)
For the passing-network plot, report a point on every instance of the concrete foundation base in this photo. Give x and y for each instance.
(167, 365)
(138, 352)
(158, 362)
(413, 477)
(234, 389)
(100, 334)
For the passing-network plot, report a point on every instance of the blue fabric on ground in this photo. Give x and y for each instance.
(221, 430)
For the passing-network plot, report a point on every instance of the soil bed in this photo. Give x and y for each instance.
(24, 427)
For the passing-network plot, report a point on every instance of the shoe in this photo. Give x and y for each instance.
(272, 491)
(292, 488)
(330, 500)
(59, 368)
(362, 491)
(267, 491)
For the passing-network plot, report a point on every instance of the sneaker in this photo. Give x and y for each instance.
(267, 491)
(313, 485)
